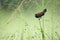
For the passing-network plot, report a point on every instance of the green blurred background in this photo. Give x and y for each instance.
(18, 22)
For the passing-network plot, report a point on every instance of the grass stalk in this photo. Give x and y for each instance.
(42, 31)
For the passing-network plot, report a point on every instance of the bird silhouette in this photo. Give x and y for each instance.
(40, 14)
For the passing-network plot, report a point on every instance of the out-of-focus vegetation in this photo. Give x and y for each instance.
(17, 20)
(9, 4)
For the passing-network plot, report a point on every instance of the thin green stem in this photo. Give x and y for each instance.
(22, 35)
(42, 31)
(42, 28)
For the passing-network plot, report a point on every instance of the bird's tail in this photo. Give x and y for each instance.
(44, 10)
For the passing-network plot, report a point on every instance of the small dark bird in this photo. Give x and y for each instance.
(39, 15)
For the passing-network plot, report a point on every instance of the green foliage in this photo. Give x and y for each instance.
(10, 4)
(21, 24)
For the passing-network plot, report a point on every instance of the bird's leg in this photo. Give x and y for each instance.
(39, 18)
